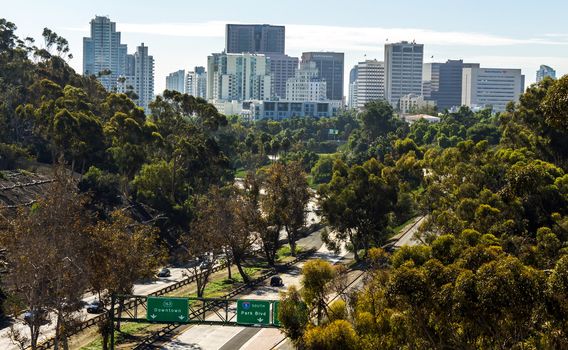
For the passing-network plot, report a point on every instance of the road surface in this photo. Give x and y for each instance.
(205, 337)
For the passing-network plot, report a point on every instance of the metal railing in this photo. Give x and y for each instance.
(128, 305)
(169, 329)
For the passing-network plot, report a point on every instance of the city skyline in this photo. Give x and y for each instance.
(178, 42)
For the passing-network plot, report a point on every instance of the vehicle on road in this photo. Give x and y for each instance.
(205, 265)
(276, 281)
(164, 273)
(95, 307)
(30, 316)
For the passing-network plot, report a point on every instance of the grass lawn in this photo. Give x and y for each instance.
(396, 230)
(125, 335)
(284, 253)
(241, 173)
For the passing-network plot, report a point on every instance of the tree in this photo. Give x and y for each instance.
(45, 248)
(293, 313)
(286, 199)
(203, 241)
(338, 334)
(554, 104)
(120, 252)
(356, 204)
(267, 232)
(317, 275)
(377, 118)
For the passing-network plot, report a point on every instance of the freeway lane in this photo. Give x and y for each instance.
(48, 331)
(219, 337)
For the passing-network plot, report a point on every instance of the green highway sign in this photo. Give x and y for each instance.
(253, 312)
(275, 320)
(161, 309)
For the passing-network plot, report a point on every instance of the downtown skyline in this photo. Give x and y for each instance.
(177, 44)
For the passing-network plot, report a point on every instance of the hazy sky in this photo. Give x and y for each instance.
(180, 34)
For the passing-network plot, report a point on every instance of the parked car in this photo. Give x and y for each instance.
(205, 265)
(95, 307)
(164, 273)
(276, 281)
(31, 315)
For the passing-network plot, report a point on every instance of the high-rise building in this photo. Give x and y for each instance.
(353, 87)
(196, 82)
(143, 76)
(282, 68)
(442, 83)
(330, 66)
(545, 71)
(239, 77)
(490, 87)
(306, 85)
(255, 38)
(103, 54)
(403, 70)
(370, 82)
(176, 81)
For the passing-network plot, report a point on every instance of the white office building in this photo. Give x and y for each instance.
(238, 76)
(491, 87)
(176, 81)
(411, 103)
(306, 85)
(403, 70)
(370, 82)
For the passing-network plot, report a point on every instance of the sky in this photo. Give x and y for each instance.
(180, 34)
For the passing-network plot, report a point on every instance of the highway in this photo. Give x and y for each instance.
(206, 337)
(141, 288)
(48, 331)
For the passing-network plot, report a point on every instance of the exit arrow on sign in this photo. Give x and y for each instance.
(167, 310)
(253, 312)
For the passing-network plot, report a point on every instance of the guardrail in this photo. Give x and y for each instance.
(147, 342)
(128, 305)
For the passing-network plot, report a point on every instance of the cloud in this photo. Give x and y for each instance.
(320, 37)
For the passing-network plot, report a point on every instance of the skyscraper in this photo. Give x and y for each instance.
(330, 66)
(442, 82)
(306, 85)
(282, 68)
(491, 87)
(268, 40)
(370, 82)
(255, 38)
(143, 76)
(176, 81)
(545, 71)
(196, 82)
(103, 53)
(403, 70)
(238, 77)
(353, 87)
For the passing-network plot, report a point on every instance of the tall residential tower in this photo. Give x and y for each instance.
(103, 54)
(143, 76)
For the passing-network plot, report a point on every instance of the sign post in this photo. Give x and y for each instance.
(253, 312)
(161, 309)
(275, 320)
